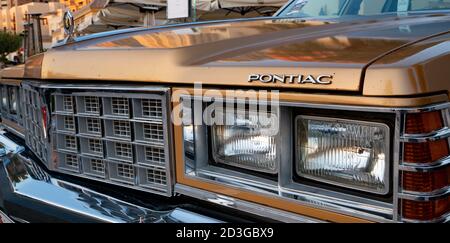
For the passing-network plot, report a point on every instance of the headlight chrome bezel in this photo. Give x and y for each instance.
(387, 132)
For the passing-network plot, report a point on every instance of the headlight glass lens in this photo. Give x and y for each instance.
(351, 154)
(250, 143)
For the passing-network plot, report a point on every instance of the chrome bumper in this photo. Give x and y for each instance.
(30, 194)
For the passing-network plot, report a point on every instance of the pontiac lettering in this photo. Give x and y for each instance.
(291, 79)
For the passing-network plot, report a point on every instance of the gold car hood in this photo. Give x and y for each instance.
(229, 52)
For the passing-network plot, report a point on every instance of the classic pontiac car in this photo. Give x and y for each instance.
(330, 111)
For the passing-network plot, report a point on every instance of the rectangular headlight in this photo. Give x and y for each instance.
(348, 153)
(250, 143)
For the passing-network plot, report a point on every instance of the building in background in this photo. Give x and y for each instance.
(75, 5)
(5, 19)
(13, 16)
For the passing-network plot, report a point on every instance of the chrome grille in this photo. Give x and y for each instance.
(119, 138)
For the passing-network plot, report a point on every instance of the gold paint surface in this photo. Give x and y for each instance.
(226, 53)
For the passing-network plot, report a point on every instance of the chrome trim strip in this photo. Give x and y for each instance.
(9, 146)
(425, 196)
(28, 181)
(360, 208)
(396, 147)
(266, 186)
(12, 129)
(185, 216)
(428, 108)
(245, 206)
(19, 220)
(4, 218)
(425, 167)
(102, 86)
(420, 138)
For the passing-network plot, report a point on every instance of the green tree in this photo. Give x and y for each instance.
(9, 42)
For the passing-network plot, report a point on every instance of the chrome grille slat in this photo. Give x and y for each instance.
(154, 154)
(93, 125)
(71, 142)
(125, 171)
(156, 176)
(123, 150)
(153, 132)
(121, 128)
(97, 165)
(71, 160)
(120, 106)
(151, 108)
(94, 167)
(92, 104)
(95, 146)
(68, 103)
(69, 123)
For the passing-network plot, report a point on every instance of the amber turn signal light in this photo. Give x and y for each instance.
(426, 181)
(429, 210)
(426, 152)
(426, 122)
